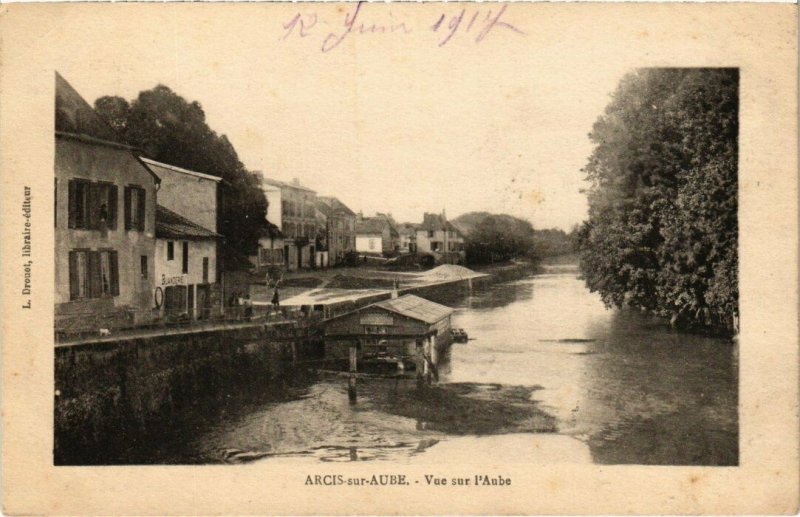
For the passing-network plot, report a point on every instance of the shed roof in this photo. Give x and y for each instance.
(170, 225)
(414, 307)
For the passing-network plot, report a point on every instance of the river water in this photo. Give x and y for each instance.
(610, 386)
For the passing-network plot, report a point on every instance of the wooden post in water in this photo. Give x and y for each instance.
(420, 366)
(427, 361)
(351, 382)
(434, 358)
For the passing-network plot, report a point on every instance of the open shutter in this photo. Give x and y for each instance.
(112, 207)
(73, 275)
(142, 204)
(95, 281)
(127, 208)
(73, 204)
(112, 260)
(93, 210)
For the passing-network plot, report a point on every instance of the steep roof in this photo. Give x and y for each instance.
(170, 225)
(325, 208)
(372, 225)
(407, 229)
(74, 115)
(414, 307)
(436, 222)
(337, 206)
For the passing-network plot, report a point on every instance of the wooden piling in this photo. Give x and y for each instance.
(420, 364)
(351, 382)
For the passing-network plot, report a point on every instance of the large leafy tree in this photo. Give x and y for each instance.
(170, 129)
(495, 237)
(662, 229)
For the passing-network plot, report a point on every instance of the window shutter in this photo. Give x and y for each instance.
(127, 208)
(93, 210)
(95, 282)
(142, 204)
(73, 273)
(73, 204)
(112, 260)
(112, 207)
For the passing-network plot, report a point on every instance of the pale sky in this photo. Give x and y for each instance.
(385, 122)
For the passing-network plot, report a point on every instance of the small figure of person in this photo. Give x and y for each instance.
(276, 299)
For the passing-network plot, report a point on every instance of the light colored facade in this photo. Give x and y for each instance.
(270, 248)
(188, 193)
(185, 267)
(376, 236)
(105, 201)
(292, 207)
(438, 237)
(407, 237)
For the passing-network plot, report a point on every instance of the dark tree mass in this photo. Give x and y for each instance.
(168, 128)
(662, 228)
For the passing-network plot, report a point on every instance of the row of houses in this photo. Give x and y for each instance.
(135, 239)
(311, 231)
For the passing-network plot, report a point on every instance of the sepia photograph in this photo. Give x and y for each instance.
(355, 245)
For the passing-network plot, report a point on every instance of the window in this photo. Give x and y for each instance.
(170, 250)
(205, 270)
(372, 244)
(430, 234)
(143, 265)
(92, 206)
(93, 274)
(134, 208)
(185, 268)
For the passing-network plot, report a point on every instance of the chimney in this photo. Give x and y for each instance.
(295, 182)
(395, 287)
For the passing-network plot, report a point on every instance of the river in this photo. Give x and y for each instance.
(609, 386)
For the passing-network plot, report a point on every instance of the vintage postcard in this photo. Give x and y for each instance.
(399, 258)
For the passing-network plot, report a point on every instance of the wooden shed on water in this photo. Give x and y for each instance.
(399, 329)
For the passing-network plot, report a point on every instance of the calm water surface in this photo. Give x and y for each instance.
(623, 388)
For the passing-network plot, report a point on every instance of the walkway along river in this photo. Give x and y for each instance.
(549, 375)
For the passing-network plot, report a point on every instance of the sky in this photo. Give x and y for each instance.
(387, 122)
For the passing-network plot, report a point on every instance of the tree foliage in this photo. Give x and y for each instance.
(170, 129)
(495, 237)
(662, 228)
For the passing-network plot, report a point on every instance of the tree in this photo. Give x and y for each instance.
(662, 229)
(492, 238)
(168, 128)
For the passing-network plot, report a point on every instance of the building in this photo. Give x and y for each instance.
(270, 249)
(105, 207)
(185, 267)
(376, 236)
(440, 238)
(292, 207)
(187, 242)
(394, 328)
(339, 230)
(407, 233)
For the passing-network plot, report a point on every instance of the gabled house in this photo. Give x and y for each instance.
(105, 207)
(440, 238)
(376, 236)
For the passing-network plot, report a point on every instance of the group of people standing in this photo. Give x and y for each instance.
(243, 305)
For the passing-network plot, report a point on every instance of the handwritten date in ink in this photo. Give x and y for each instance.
(476, 22)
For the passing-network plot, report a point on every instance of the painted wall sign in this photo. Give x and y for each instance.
(173, 280)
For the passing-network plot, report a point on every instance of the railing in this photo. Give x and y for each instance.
(123, 321)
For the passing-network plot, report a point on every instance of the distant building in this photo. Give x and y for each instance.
(338, 230)
(376, 236)
(407, 233)
(270, 248)
(185, 267)
(292, 207)
(105, 207)
(439, 237)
